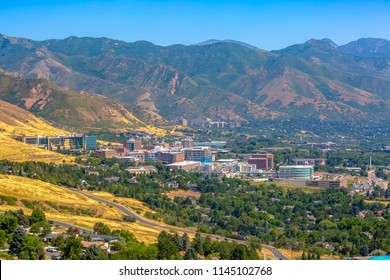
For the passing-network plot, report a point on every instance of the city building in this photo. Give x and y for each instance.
(106, 153)
(244, 167)
(308, 161)
(184, 165)
(62, 142)
(187, 143)
(142, 170)
(296, 172)
(90, 142)
(201, 154)
(217, 144)
(313, 183)
(133, 144)
(263, 161)
(170, 157)
(327, 183)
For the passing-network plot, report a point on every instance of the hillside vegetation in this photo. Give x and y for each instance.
(66, 206)
(81, 111)
(224, 80)
(15, 121)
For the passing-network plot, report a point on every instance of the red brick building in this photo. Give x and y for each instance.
(262, 161)
(171, 157)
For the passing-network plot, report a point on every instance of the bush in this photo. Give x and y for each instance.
(129, 219)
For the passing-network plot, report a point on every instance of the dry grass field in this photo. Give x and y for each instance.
(66, 206)
(303, 188)
(297, 255)
(14, 150)
(384, 201)
(15, 121)
(130, 203)
(182, 193)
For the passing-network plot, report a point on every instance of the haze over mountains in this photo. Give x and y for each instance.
(224, 80)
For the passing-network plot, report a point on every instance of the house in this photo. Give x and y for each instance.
(93, 173)
(100, 244)
(173, 184)
(113, 179)
(147, 169)
(101, 237)
(379, 213)
(49, 237)
(132, 181)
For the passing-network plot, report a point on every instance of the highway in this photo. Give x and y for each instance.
(146, 222)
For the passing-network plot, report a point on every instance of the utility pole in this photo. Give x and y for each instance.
(370, 162)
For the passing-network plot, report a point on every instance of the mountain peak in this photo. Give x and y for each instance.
(368, 47)
(215, 41)
(329, 42)
(322, 42)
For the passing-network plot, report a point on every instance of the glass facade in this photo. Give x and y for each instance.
(296, 172)
(90, 142)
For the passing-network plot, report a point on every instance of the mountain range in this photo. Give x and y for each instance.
(223, 80)
(68, 109)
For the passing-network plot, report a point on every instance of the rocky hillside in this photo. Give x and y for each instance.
(65, 108)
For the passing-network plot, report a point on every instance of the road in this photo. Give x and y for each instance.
(146, 222)
(378, 181)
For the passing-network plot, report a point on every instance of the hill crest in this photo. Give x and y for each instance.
(222, 81)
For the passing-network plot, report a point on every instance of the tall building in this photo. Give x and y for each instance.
(170, 157)
(187, 143)
(133, 144)
(202, 154)
(296, 172)
(90, 142)
(263, 161)
(63, 142)
(106, 153)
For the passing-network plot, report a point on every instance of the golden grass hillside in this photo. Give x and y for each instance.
(64, 205)
(130, 203)
(15, 121)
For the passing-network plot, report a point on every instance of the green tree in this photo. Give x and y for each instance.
(364, 250)
(37, 216)
(46, 228)
(126, 235)
(101, 228)
(32, 248)
(3, 238)
(186, 242)
(167, 250)
(93, 252)
(35, 228)
(72, 249)
(58, 241)
(254, 243)
(17, 241)
(197, 244)
(191, 254)
(8, 223)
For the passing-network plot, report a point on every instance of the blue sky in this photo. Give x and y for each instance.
(264, 23)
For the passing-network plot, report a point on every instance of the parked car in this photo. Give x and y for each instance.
(56, 256)
(51, 249)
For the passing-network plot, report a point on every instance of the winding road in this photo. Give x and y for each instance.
(146, 222)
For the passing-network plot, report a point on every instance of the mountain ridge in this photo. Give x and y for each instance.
(223, 80)
(80, 111)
